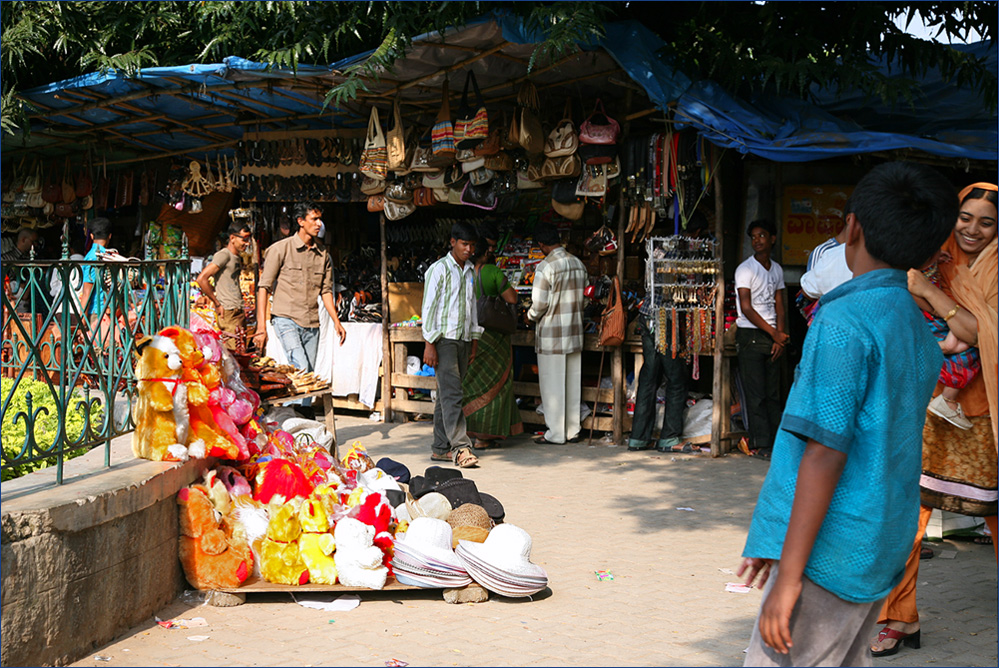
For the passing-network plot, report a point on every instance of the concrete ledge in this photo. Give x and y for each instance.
(84, 561)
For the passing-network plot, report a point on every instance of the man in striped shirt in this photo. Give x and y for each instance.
(557, 307)
(451, 330)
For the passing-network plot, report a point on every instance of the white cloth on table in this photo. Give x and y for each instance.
(353, 367)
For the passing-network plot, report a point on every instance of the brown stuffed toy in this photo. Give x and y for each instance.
(213, 556)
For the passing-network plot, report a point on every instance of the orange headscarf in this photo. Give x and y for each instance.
(975, 288)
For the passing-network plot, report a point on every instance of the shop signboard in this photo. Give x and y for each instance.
(810, 215)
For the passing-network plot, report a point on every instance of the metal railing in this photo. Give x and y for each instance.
(67, 368)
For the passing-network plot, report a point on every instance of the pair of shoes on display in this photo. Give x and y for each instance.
(955, 416)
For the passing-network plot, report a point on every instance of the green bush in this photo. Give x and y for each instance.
(46, 426)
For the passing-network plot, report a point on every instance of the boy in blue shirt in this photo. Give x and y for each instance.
(834, 522)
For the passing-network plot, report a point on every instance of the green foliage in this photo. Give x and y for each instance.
(46, 426)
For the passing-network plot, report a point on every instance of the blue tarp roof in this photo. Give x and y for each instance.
(197, 106)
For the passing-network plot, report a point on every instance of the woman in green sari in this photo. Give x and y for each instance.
(491, 414)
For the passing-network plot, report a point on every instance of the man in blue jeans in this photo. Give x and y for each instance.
(297, 271)
(761, 335)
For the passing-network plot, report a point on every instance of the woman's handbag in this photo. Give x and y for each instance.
(396, 141)
(68, 187)
(599, 133)
(370, 186)
(374, 159)
(482, 197)
(494, 313)
(501, 162)
(568, 166)
(33, 181)
(592, 182)
(471, 126)
(524, 181)
(398, 193)
(562, 140)
(52, 191)
(491, 146)
(442, 135)
(84, 186)
(531, 136)
(597, 154)
(376, 203)
(433, 179)
(613, 320)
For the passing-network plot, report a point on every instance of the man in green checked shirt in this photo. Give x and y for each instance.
(452, 331)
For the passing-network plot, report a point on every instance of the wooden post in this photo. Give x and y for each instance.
(719, 411)
(386, 344)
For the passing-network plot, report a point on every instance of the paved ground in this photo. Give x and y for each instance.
(587, 509)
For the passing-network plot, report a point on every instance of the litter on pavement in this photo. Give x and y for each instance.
(604, 575)
(340, 604)
(737, 587)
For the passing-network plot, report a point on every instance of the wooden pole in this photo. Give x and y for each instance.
(617, 355)
(386, 343)
(719, 411)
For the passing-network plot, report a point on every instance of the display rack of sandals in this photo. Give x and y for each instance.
(681, 282)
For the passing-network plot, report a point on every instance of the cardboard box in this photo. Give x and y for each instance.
(404, 301)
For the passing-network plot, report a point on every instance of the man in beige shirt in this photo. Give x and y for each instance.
(226, 295)
(297, 271)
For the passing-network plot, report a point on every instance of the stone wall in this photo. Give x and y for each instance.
(84, 561)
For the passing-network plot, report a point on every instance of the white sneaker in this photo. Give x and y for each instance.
(956, 417)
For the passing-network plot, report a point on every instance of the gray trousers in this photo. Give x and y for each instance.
(449, 420)
(825, 630)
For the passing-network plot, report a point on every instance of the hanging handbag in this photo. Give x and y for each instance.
(599, 133)
(442, 134)
(480, 176)
(17, 184)
(103, 186)
(423, 196)
(434, 179)
(65, 209)
(398, 193)
(395, 140)
(562, 140)
(68, 187)
(482, 197)
(613, 320)
(370, 186)
(597, 154)
(398, 210)
(534, 167)
(568, 166)
(472, 125)
(491, 146)
(35, 201)
(33, 182)
(564, 191)
(494, 313)
(376, 203)
(374, 159)
(501, 162)
(531, 136)
(592, 182)
(52, 191)
(524, 181)
(84, 186)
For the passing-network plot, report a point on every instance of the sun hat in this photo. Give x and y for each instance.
(470, 515)
(463, 490)
(433, 505)
(431, 478)
(395, 469)
(507, 549)
(431, 537)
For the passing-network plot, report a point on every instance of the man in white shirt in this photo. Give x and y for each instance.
(451, 331)
(828, 273)
(761, 336)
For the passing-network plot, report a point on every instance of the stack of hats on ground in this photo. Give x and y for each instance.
(502, 563)
(424, 556)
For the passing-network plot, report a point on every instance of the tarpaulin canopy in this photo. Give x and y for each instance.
(189, 109)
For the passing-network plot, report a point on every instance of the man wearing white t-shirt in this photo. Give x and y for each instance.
(761, 337)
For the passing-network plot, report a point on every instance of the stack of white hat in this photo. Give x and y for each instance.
(502, 564)
(424, 558)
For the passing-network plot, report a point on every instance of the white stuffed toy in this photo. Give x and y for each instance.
(358, 561)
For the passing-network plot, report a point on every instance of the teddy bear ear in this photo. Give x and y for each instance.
(141, 343)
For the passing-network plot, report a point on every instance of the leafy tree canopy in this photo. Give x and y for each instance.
(744, 46)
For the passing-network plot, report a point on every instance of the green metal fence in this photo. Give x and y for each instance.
(68, 368)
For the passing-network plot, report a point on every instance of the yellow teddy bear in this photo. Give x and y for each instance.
(316, 543)
(280, 556)
(162, 420)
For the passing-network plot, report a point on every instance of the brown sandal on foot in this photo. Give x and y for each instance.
(464, 459)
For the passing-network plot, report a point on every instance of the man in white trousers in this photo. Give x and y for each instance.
(557, 307)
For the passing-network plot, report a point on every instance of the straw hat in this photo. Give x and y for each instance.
(470, 515)
(433, 505)
(468, 533)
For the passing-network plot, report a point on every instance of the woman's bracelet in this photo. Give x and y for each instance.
(952, 312)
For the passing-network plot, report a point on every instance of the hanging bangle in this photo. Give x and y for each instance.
(950, 314)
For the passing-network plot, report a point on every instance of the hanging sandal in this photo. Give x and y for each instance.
(464, 459)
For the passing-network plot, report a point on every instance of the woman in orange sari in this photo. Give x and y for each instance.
(959, 467)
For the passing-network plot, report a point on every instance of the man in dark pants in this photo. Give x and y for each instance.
(655, 367)
(761, 336)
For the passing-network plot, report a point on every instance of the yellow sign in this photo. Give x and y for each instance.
(811, 214)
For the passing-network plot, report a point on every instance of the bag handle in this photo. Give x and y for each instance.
(374, 124)
(599, 106)
(478, 94)
(396, 119)
(567, 111)
(68, 170)
(528, 96)
(445, 113)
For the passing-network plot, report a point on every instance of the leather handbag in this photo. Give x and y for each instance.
(370, 186)
(482, 197)
(442, 134)
(592, 182)
(84, 185)
(52, 191)
(35, 201)
(524, 181)
(395, 140)
(376, 203)
(374, 159)
(398, 193)
(491, 146)
(472, 125)
(65, 209)
(472, 165)
(562, 140)
(500, 162)
(534, 167)
(467, 155)
(613, 320)
(422, 157)
(424, 197)
(68, 187)
(568, 166)
(494, 313)
(434, 179)
(481, 176)
(398, 210)
(33, 181)
(455, 177)
(591, 132)
(531, 135)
